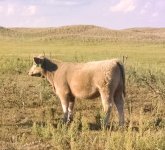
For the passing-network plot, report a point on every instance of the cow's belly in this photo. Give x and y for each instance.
(85, 94)
(84, 91)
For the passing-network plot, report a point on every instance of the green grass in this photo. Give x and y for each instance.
(30, 114)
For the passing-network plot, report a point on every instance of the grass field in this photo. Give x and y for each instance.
(30, 114)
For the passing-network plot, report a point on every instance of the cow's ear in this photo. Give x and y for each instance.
(38, 61)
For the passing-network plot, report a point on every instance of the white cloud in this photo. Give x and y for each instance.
(62, 2)
(155, 14)
(70, 3)
(143, 11)
(7, 10)
(29, 10)
(145, 8)
(1, 8)
(124, 6)
(147, 5)
(17, 10)
(10, 10)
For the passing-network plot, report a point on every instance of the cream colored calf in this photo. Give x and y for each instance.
(84, 81)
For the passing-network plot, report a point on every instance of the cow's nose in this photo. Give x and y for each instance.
(29, 73)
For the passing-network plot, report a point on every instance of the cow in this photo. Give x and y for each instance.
(88, 80)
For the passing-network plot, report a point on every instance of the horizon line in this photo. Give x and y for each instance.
(44, 27)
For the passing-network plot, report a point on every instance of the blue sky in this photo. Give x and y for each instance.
(114, 14)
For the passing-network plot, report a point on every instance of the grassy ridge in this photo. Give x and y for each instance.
(30, 113)
(84, 33)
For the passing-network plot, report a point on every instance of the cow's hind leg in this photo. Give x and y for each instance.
(107, 101)
(119, 102)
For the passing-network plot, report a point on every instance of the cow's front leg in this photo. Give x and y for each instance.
(70, 110)
(65, 104)
(65, 111)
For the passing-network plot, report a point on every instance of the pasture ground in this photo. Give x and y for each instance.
(30, 114)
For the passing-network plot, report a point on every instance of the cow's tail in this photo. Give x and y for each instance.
(122, 70)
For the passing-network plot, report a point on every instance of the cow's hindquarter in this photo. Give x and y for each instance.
(108, 86)
(119, 95)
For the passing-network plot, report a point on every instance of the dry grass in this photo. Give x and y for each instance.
(30, 114)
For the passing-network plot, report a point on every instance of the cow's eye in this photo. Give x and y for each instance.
(38, 65)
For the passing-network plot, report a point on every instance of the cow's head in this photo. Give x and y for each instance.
(41, 66)
(37, 69)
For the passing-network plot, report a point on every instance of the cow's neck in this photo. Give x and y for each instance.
(50, 77)
(50, 74)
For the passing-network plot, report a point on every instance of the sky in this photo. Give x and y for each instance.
(113, 14)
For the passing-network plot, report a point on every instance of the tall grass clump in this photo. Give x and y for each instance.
(13, 65)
